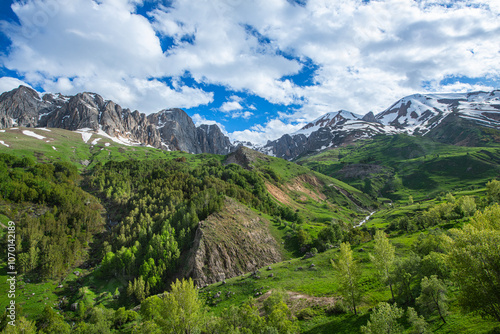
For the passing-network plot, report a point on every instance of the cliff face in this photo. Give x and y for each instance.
(20, 107)
(212, 139)
(169, 129)
(229, 243)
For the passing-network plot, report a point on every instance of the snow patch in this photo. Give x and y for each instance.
(32, 134)
(94, 142)
(4, 144)
(119, 139)
(55, 149)
(44, 129)
(86, 136)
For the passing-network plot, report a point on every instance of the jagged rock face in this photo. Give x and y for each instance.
(168, 129)
(212, 139)
(230, 243)
(287, 146)
(176, 129)
(20, 107)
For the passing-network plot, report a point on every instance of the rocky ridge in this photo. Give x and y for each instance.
(170, 129)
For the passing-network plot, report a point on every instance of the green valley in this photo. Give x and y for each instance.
(395, 234)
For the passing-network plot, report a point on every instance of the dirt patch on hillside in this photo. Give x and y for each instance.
(278, 194)
(298, 301)
(298, 184)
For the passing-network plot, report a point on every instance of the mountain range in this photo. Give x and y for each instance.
(448, 118)
(170, 129)
(455, 118)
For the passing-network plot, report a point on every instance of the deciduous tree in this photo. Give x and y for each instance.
(383, 258)
(384, 320)
(349, 274)
(433, 297)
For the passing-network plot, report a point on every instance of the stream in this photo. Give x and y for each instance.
(365, 220)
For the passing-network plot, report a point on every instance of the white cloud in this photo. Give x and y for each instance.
(235, 108)
(94, 46)
(8, 83)
(224, 52)
(372, 53)
(242, 114)
(230, 106)
(260, 134)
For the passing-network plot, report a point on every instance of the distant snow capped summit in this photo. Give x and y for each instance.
(329, 120)
(170, 129)
(430, 115)
(419, 114)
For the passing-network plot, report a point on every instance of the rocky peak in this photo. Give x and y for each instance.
(20, 107)
(212, 139)
(169, 129)
(370, 117)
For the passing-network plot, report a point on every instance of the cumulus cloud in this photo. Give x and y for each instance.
(260, 134)
(213, 42)
(235, 109)
(79, 45)
(242, 114)
(230, 106)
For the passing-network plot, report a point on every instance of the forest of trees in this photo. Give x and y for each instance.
(56, 218)
(158, 205)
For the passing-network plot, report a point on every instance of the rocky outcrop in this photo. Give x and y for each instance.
(168, 129)
(212, 139)
(370, 117)
(20, 107)
(230, 243)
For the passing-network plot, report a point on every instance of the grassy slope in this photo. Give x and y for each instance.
(69, 146)
(305, 190)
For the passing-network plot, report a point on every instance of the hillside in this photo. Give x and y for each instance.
(84, 149)
(158, 211)
(106, 228)
(400, 165)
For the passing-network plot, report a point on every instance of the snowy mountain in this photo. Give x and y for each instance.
(445, 117)
(461, 119)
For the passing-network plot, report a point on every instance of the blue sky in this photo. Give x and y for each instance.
(257, 68)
